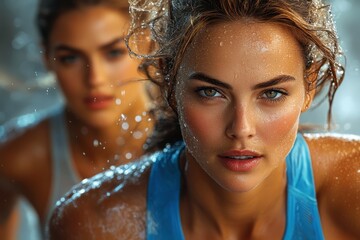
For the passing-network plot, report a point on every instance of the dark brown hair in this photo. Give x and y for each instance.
(49, 11)
(174, 28)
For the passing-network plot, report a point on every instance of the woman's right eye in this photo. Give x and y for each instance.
(208, 92)
(68, 59)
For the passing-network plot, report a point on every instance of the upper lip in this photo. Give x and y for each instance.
(98, 97)
(239, 153)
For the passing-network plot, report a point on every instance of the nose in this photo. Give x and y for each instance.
(241, 123)
(95, 72)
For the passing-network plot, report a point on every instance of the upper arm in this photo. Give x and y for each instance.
(339, 194)
(105, 212)
(21, 165)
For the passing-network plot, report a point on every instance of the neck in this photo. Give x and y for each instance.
(258, 213)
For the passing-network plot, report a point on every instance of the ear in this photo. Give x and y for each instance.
(311, 76)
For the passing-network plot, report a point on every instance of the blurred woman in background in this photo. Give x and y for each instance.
(105, 119)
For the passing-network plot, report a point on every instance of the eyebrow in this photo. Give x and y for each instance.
(63, 47)
(272, 82)
(203, 77)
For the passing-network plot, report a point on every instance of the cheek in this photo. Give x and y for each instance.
(71, 86)
(201, 125)
(279, 130)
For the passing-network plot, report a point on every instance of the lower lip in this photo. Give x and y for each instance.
(240, 165)
(99, 103)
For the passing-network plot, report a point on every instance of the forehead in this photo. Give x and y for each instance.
(242, 46)
(95, 24)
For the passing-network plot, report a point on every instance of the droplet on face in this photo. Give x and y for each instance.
(118, 101)
(138, 118)
(138, 134)
(125, 126)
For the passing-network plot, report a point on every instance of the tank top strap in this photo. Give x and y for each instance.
(63, 171)
(163, 216)
(302, 217)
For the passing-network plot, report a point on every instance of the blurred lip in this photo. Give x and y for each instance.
(240, 160)
(98, 101)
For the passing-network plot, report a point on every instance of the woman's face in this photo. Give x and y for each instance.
(87, 53)
(239, 96)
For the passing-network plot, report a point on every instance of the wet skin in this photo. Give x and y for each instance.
(234, 93)
(92, 65)
(105, 107)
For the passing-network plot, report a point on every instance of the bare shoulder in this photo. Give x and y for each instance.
(20, 155)
(336, 164)
(110, 205)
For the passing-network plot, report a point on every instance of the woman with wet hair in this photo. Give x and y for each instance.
(235, 77)
(105, 119)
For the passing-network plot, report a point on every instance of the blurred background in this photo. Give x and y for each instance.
(28, 93)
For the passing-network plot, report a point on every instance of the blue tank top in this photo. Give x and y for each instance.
(302, 215)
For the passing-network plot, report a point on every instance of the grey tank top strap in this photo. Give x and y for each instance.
(64, 175)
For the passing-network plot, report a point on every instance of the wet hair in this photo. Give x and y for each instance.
(173, 25)
(50, 10)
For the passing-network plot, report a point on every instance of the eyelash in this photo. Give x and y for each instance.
(200, 91)
(281, 98)
(283, 94)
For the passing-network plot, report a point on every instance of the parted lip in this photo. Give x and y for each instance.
(240, 153)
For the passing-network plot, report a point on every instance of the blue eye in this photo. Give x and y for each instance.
(208, 92)
(273, 95)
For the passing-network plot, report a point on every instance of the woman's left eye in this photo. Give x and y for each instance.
(273, 95)
(116, 53)
(208, 92)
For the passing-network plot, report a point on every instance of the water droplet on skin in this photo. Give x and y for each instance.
(138, 134)
(221, 44)
(128, 156)
(125, 126)
(96, 143)
(138, 118)
(123, 92)
(84, 154)
(118, 101)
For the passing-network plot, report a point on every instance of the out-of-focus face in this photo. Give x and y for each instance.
(89, 57)
(239, 96)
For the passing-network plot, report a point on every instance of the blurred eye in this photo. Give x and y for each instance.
(208, 92)
(68, 59)
(115, 53)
